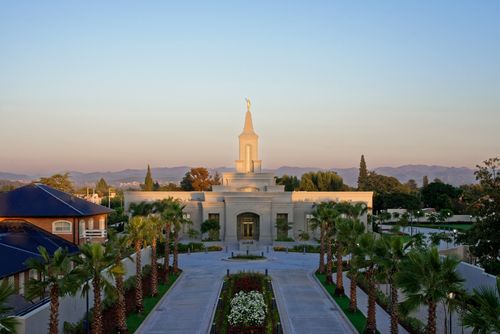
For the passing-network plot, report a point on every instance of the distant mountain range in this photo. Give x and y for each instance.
(133, 177)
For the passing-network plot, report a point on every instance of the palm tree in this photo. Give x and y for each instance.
(348, 233)
(366, 256)
(154, 234)
(55, 275)
(7, 322)
(349, 211)
(427, 279)
(178, 221)
(136, 236)
(118, 247)
(91, 263)
(167, 215)
(482, 312)
(319, 221)
(391, 252)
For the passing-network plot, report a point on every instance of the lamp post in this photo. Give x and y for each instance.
(451, 296)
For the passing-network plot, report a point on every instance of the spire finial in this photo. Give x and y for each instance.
(249, 104)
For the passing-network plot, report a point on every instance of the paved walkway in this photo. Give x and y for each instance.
(303, 306)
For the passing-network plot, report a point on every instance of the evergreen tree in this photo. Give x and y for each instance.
(363, 173)
(425, 181)
(148, 181)
(60, 182)
(102, 187)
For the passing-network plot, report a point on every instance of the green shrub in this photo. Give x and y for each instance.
(214, 248)
(279, 249)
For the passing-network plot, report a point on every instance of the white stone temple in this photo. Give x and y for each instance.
(248, 202)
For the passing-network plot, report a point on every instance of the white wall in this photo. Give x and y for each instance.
(71, 308)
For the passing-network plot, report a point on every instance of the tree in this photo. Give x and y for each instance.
(390, 253)
(321, 181)
(347, 211)
(484, 236)
(366, 255)
(7, 322)
(363, 173)
(136, 235)
(427, 279)
(60, 182)
(440, 196)
(55, 275)
(425, 181)
(117, 246)
(198, 179)
(154, 234)
(348, 233)
(412, 185)
(319, 220)
(482, 310)
(102, 187)
(282, 227)
(211, 226)
(148, 181)
(91, 264)
(291, 183)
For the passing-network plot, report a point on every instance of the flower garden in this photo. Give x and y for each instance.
(246, 305)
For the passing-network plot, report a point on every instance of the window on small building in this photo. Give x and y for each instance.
(214, 216)
(91, 223)
(186, 216)
(81, 227)
(61, 227)
(308, 221)
(101, 223)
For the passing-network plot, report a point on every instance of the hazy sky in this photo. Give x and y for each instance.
(108, 85)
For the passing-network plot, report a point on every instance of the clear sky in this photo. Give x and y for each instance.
(109, 85)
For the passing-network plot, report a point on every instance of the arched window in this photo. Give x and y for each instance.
(61, 227)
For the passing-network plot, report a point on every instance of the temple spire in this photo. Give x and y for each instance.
(248, 128)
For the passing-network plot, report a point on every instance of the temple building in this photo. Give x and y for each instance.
(248, 203)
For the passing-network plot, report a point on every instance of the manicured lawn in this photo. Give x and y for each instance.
(134, 320)
(357, 318)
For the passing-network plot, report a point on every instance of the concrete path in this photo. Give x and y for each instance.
(187, 308)
(304, 308)
(307, 308)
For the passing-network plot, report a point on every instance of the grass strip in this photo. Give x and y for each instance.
(357, 318)
(134, 320)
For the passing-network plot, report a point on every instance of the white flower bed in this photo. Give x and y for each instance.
(247, 309)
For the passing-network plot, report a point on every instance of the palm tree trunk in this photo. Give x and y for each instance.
(97, 313)
(167, 251)
(371, 323)
(353, 304)
(329, 262)
(121, 307)
(339, 289)
(176, 252)
(54, 309)
(154, 269)
(431, 318)
(139, 305)
(394, 307)
(321, 268)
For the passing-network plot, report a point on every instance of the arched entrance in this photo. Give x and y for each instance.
(248, 226)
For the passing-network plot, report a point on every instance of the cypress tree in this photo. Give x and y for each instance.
(363, 173)
(148, 181)
(425, 181)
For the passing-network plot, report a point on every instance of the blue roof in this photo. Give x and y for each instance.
(19, 241)
(39, 200)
